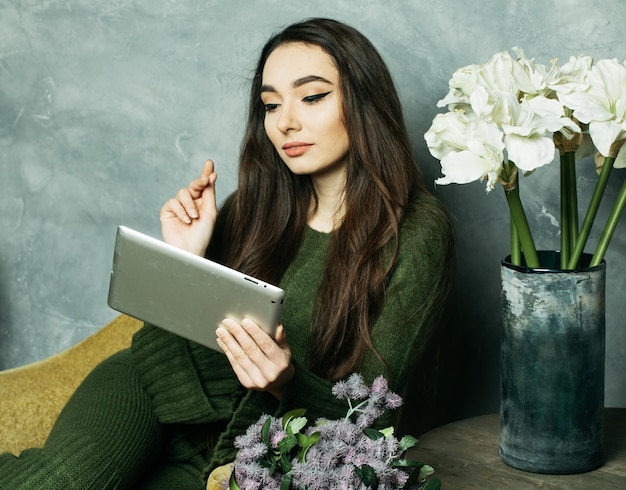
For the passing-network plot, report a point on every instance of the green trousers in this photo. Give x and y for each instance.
(108, 437)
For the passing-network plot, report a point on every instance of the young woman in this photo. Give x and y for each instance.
(330, 206)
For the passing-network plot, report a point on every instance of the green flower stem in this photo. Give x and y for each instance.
(521, 224)
(572, 198)
(569, 207)
(516, 251)
(565, 223)
(592, 210)
(609, 228)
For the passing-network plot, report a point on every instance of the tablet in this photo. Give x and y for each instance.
(183, 293)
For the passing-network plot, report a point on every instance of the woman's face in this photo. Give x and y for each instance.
(303, 118)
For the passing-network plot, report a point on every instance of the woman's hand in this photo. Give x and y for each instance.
(187, 220)
(260, 362)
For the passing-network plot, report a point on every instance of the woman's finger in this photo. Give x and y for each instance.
(246, 370)
(240, 342)
(188, 203)
(174, 209)
(242, 375)
(262, 339)
(259, 362)
(207, 177)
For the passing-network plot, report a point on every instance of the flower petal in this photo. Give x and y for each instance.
(605, 133)
(461, 168)
(446, 134)
(605, 99)
(529, 153)
(572, 76)
(462, 84)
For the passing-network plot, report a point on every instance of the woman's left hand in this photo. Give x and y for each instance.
(260, 362)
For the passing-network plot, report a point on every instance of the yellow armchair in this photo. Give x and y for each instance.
(32, 396)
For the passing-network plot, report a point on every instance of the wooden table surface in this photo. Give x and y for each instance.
(465, 455)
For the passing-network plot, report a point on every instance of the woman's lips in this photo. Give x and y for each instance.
(296, 148)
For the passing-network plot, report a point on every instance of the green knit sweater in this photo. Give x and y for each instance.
(165, 413)
(201, 388)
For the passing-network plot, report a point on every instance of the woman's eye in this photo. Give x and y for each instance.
(311, 99)
(270, 107)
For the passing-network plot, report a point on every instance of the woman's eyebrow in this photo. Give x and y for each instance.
(298, 83)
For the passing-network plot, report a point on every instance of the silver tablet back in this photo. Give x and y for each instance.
(183, 293)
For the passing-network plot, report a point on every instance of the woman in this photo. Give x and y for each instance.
(331, 207)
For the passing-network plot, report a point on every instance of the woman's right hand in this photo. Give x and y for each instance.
(187, 220)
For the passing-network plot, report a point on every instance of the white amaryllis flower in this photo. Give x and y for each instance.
(495, 107)
(462, 85)
(447, 134)
(528, 134)
(531, 78)
(497, 75)
(572, 76)
(469, 149)
(602, 106)
(501, 74)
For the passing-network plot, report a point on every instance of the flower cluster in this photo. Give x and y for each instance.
(340, 454)
(512, 114)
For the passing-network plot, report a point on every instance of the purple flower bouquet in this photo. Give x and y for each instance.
(347, 454)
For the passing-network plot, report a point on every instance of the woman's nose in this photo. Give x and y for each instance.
(288, 119)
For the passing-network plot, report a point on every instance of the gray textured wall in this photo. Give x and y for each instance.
(108, 107)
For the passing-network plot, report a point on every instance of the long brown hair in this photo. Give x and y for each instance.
(272, 205)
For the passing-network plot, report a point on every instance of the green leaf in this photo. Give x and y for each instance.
(285, 484)
(287, 444)
(407, 442)
(425, 471)
(406, 463)
(306, 442)
(265, 431)
(232, 482)
(388, 432)
(272, 467)
(415, 475)
(373, 433)
(434, 484)
(285, 464)
(298, 412)
(296, 424)
(367, 475)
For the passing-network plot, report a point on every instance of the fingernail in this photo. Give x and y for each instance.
(221, 331)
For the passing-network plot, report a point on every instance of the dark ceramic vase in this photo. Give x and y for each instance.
(552, 378)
